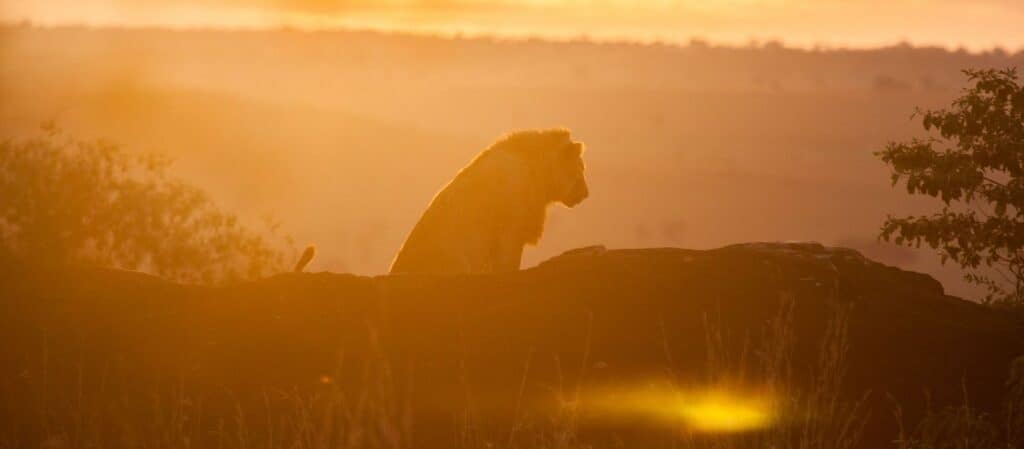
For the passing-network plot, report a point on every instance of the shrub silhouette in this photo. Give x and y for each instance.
(979, 175)
(64, 200)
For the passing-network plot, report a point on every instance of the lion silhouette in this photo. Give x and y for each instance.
(496, 205)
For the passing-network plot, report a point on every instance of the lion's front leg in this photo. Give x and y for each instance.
(508, 253)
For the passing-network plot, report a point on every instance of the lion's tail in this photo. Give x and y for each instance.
(307, 256)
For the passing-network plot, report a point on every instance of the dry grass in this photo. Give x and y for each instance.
(374, 411)
(963, 427)
(809, 415)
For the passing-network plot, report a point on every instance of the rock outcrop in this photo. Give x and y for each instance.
(497, 342)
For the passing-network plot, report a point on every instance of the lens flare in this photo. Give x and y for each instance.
(718, 409)
(725, 412)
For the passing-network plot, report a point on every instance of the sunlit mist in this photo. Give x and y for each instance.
(716, 409)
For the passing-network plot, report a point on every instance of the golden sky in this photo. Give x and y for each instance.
(976, 24)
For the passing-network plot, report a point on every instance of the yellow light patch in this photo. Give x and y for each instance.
(719, 409)
(723, 412)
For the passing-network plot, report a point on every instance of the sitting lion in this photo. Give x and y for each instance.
(480, 221)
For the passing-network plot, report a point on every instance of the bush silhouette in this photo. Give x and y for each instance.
(64, 200)
(976, 166)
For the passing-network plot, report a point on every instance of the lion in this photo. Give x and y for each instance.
(495, 206)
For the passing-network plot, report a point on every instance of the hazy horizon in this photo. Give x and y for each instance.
(977, 26)
(511, 224)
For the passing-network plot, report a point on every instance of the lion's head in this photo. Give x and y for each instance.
(556, 162)
(559, 163)
(568, 182)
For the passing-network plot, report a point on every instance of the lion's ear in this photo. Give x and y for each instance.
(572, 150)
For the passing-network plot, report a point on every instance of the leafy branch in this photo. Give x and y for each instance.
(976, 160)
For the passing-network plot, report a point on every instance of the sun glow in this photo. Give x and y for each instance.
(725, 412)
(802, 23)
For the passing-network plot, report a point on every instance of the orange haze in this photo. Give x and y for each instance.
(976, 25)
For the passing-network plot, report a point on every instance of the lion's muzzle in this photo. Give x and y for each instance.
(577, 194)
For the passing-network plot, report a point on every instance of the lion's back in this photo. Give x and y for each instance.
(454, 233)
(432, 246)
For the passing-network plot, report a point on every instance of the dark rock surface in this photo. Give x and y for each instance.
(586, 317)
